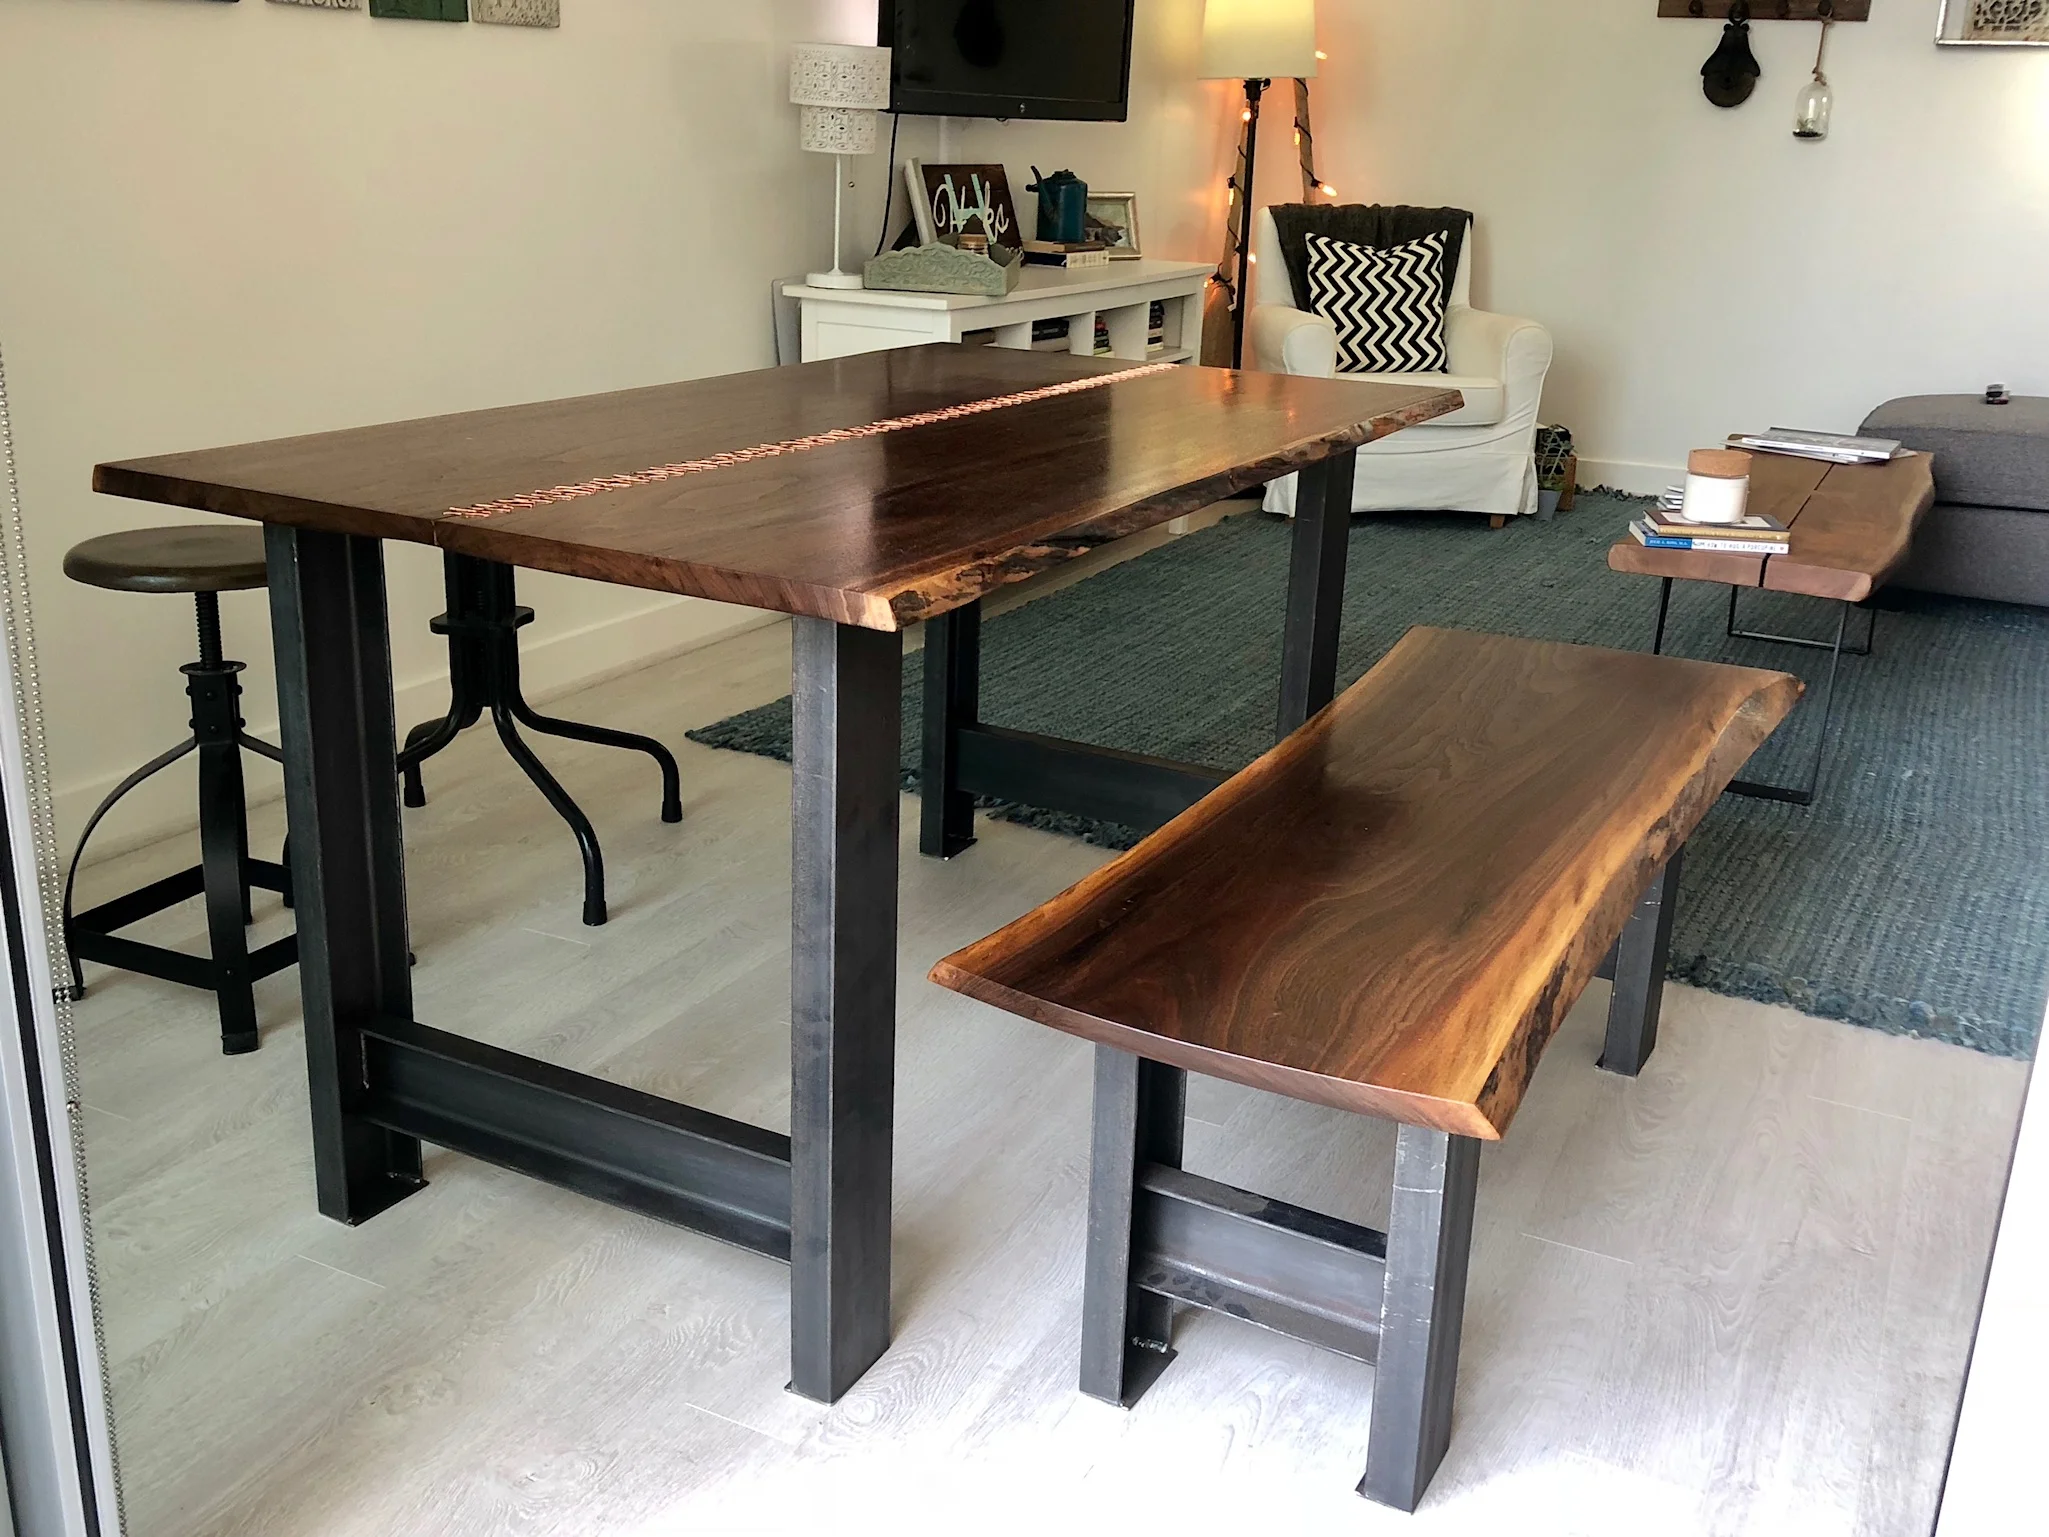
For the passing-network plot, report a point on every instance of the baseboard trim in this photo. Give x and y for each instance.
(550, 667)
(1629, 475)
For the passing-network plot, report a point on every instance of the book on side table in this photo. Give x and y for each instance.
(1753, 536)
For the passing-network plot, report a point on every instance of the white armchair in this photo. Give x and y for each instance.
(1481, 458)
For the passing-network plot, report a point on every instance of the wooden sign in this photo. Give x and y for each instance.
(963, 200)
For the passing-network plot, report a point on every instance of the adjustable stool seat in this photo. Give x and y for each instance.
(204, 561)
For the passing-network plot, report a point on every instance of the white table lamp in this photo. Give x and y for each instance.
(840, 87)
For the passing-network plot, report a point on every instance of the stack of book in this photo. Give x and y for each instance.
(1073, 255)
(1666, 530)
(1829, 447)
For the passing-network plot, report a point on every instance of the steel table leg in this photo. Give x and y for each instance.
(953, 675)
(847, 710)
(1316, 590)
(348, 875)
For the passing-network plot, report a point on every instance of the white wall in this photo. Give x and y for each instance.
(228, 222)
(1701, 269)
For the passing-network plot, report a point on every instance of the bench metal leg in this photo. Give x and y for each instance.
(1126, 1333)
(1316, 590)
(348, 874)
(1640, 959)
(847, 700)
(1429, 1239)
(953, 687)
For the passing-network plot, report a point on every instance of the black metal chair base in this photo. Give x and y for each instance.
(225, 874)
(482, 625)
(1792, 795)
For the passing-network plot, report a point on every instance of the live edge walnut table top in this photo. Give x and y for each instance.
(877, 531)
(1852, 526)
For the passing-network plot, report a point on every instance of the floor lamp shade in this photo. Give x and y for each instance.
(840, 88)
(1259, 39)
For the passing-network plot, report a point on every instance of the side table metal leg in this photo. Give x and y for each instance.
(1804, 795)
(847, 711)
(1664, 613)
(348, 859)
(1316, 590)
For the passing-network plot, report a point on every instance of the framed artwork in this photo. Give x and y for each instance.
(1113, 221)
(1994, 24)
(962, 200)
(421, 10)
(518, 13)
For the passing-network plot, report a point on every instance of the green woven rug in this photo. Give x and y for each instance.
(1910, 899)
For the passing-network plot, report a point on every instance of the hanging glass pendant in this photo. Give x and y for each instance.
(1810, 114)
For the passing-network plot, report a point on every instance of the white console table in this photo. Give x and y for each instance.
(839, 322)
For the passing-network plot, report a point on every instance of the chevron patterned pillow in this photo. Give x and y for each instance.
(1388, 306)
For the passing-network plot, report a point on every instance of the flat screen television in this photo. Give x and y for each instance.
(1010, 58)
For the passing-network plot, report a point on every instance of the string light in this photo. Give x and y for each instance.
(1305, 145)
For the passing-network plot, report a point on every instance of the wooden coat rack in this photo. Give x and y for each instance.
(1769, 10)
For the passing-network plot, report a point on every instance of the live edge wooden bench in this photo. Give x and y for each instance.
(1390, 913)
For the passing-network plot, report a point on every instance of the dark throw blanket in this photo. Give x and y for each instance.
(1367, 225)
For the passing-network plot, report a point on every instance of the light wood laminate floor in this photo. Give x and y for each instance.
(1734, 1296)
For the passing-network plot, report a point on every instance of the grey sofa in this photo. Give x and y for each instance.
(1988, 535)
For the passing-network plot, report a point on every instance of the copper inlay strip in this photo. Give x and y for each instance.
(737, 456)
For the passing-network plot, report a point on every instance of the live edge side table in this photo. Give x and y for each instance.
(860, 495)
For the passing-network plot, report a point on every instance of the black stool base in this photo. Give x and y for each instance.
(482, 625)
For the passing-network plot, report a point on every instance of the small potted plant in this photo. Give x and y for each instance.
(1557, 471)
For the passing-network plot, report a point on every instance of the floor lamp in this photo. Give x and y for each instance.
(1257, 42)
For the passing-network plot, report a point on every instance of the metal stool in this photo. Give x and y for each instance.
(482, 625)
(204, 561)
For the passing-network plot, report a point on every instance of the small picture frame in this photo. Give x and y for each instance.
(961, 200)
(1113, 221)
(1993, 24)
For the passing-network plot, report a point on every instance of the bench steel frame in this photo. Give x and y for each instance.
(1159, 1237)
(1795, 795)
(382, 1082)
(964, 758)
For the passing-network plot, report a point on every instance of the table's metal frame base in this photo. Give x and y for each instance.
(225, 874)
(1795, 795)
(382, 1083)
(965, 758)
(1159, 1237)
